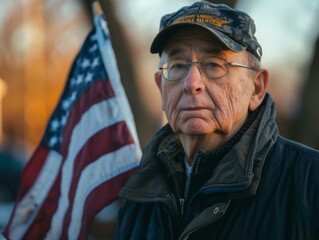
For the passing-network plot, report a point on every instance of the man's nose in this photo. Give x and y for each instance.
(193, 82)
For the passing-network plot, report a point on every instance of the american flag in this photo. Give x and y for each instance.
(89, 150)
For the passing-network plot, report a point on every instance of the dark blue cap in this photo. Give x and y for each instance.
(234, 28)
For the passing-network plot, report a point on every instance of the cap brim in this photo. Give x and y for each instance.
(161, 38)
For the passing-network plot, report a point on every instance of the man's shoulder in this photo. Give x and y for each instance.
(295, 159)
(294, 147)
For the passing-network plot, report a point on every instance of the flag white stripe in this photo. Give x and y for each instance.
(105, 113)
(101, 170)
(30, 204)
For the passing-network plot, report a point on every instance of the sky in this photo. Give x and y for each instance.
(4, 8)
(286, 29)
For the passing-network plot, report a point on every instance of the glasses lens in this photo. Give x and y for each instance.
(175, 70)
(214, 67)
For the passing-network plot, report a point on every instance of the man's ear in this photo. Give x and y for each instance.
(158, 80)
(260, 81)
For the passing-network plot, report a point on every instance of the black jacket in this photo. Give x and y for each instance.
(258, 186)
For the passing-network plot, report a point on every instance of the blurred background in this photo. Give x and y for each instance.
(40, 39)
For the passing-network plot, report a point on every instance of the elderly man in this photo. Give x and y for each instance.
(219, 169)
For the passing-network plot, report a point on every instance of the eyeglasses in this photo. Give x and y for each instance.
(211, 68)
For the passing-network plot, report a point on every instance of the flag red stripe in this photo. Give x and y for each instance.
(29, 175)
(100, 197)
(107, 140)
(97, 92)
(42, 221)
(33, 169)
(97, 145)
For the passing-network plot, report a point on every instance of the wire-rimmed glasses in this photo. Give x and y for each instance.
(211, 68)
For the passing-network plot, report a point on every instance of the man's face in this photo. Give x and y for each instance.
(196, 105)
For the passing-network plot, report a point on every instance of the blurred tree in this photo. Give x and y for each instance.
(38, 44)
(305, 127)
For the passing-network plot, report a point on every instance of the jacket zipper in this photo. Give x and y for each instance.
(181, 206)
(189, 179)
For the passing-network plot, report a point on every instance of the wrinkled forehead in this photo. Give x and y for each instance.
(191, 39)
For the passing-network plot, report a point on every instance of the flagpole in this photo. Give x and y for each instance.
(96, 8)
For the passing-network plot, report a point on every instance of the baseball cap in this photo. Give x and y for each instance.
(234, 28)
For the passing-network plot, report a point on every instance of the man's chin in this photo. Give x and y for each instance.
(197, 129)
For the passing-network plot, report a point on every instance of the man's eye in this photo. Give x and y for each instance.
(211, 65)
(178, 66)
